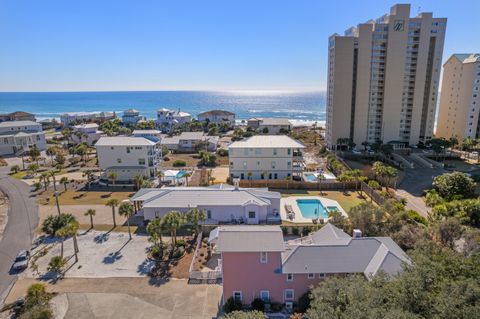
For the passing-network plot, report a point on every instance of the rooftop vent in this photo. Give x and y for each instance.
(357, 233)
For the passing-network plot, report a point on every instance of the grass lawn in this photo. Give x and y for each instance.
(347, 200)
(190, 159)
(19, 174)
(103, 227)
(72, 197)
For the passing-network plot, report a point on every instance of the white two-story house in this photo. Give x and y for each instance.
(128, 157)
(88, 133)
(20, 136)
(218, 117)
(167, 119)
(266, 157)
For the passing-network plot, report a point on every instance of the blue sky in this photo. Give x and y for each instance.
(95, 45)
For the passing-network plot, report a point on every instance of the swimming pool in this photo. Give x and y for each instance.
(310, 177)
(312, 208)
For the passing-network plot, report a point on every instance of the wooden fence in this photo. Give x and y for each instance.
(283, 184)
(202, 277)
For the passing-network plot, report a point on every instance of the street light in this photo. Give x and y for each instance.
(56, 194)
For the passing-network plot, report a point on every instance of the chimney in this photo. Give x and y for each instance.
(357, 233)
(236, 183)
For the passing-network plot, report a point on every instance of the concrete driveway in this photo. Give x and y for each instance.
(129, 298)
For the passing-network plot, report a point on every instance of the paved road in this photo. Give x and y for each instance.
(22, 220)
(414, 183)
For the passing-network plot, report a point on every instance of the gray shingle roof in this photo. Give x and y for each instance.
(330, 250)
(216, 112)
(247, 238)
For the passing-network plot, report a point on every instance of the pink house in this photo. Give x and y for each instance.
(257, 263)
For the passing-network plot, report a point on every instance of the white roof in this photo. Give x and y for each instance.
(135, 132)
(274, 121)
(188, 197)
(88, 125)
(123, 141)
(17, 123)
(248, 238)
(267, 141)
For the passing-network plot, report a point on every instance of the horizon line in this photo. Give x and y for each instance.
(176, 90)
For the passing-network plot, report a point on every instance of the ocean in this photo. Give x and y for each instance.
(298, 107)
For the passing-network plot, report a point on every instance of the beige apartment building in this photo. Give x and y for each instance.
(460, 97)
(383, 79)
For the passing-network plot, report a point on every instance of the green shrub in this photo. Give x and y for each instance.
(295, 231)
(276, 307)
(417, 217)
(180, 242)
(258, 304)
(284, 230)
(179, 163)
(232, 304)
(178, 252)
(56, 263)
(222, 152)
(306, 230)
(303, 303)
(54, 222)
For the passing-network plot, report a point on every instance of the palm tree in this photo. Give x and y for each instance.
(113, 203)
(138, 181)
(88, 174)
(14, 169)
(44, 178)
(90, 212)
(112, 176)
(34, 153)
(51, 151)
(186, 175)
(52, 174)
(64, 181)
(32, 168)
(194, 217)
(160, 175)
(155, 228)
(173, 221)
(320, 178)
(288, 178)
(71, 231)
(126, 210)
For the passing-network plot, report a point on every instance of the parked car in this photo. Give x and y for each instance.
(21, 261)
(356, 152)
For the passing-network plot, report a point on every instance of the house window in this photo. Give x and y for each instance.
(274, 151)
(263, 257)
(251, 214)
(321, 275)
(128, 149)
(289, 277)
(289, 151)
(111, 147)
(242, 176)
(141, 161)
(209, 214)
(231, 164)
(311, 276)
(237, 295)
(274, 164)
(270, 176)
(258, 151)
(289, 294)
(275, 176)
(289, 164)
(265, 295)
(119, 160)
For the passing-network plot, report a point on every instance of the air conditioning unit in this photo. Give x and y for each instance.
(289, 305)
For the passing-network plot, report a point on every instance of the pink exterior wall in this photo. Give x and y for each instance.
(244, 272)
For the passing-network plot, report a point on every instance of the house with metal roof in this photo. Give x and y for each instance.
(256, 262)
(226, 204)
(19, 136)
(132, 117)
(190, 142)
(128, 156)
(168, 119)
(270, 125)
(218, 117)
(266, 157)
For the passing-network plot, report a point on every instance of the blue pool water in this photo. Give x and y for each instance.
(312, 208)
(310, 177)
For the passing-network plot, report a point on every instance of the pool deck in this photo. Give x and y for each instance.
(292, 201)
